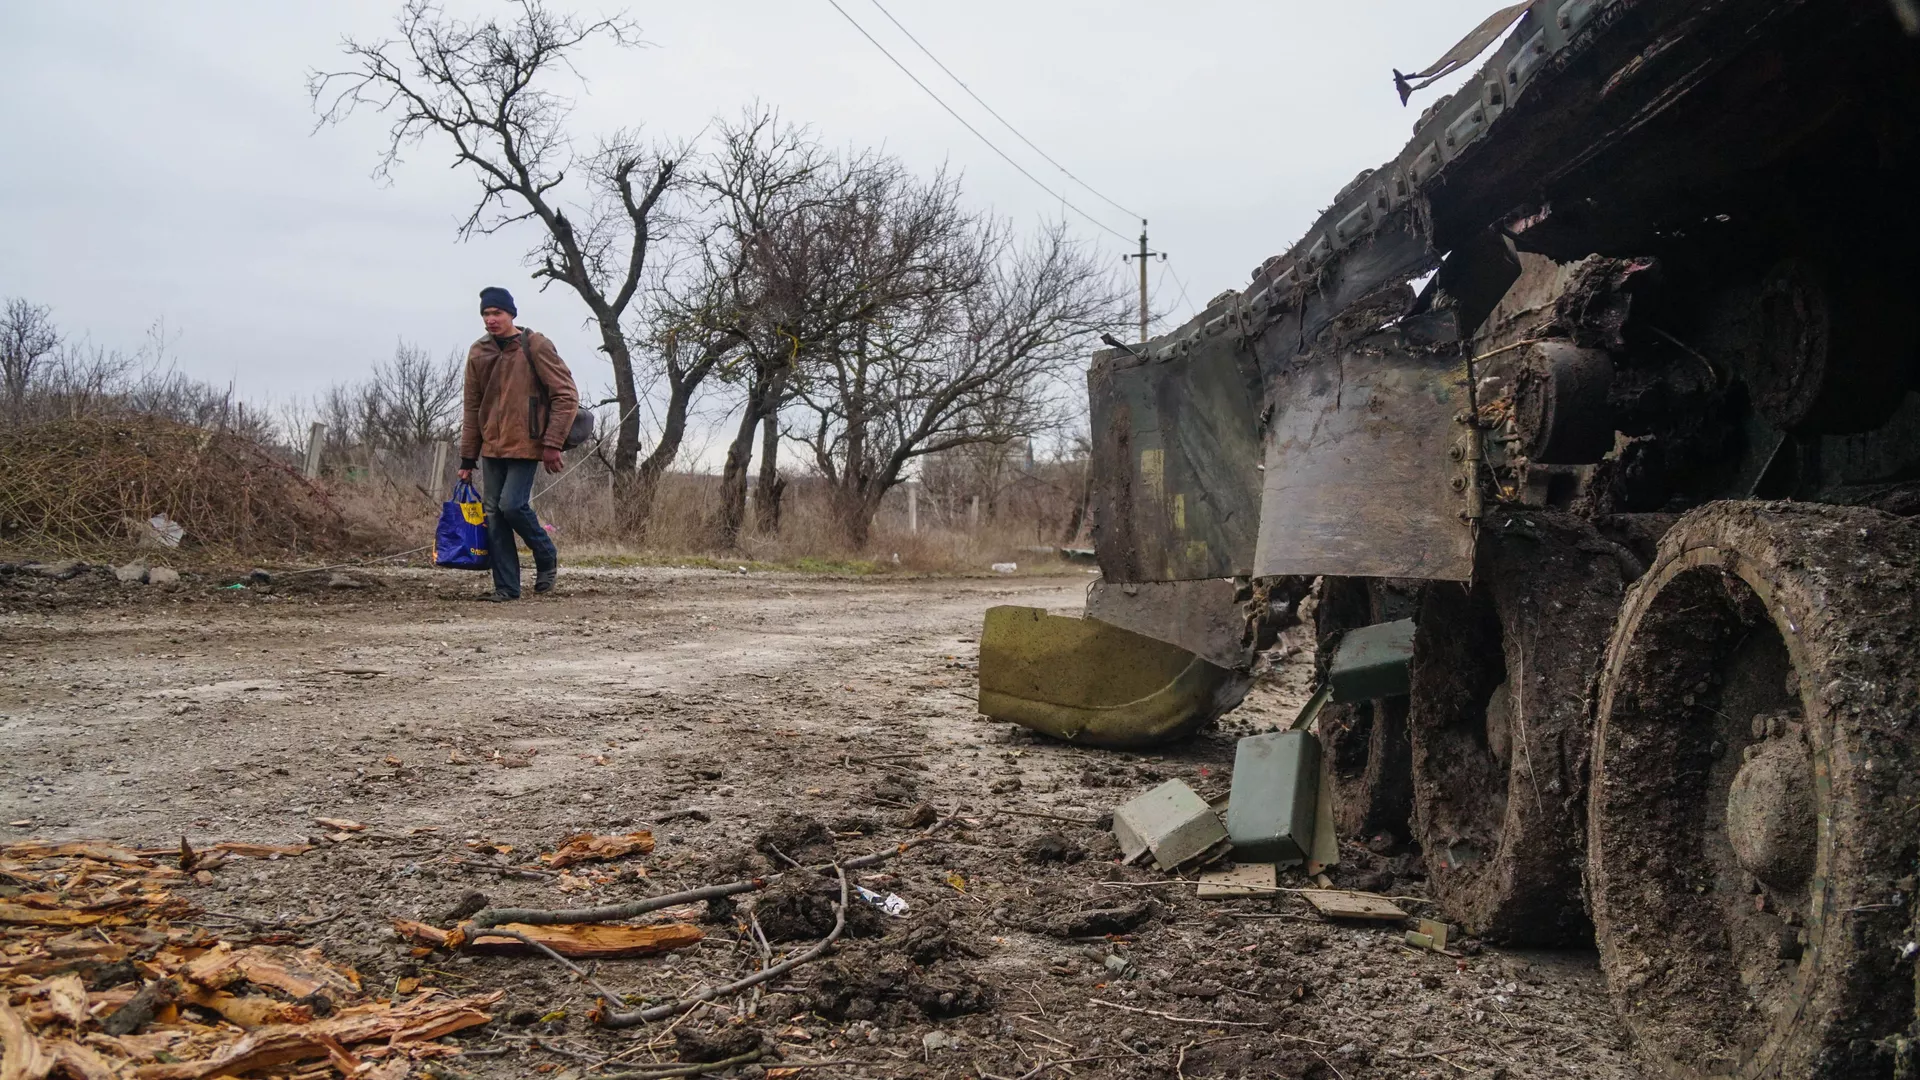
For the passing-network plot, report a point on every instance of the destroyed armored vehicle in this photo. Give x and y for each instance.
(1608, 382)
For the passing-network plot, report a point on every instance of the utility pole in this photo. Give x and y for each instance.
(1143, 257)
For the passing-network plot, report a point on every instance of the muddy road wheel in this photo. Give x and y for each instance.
(1754, 817)
(1502, 674)
(1369, 755)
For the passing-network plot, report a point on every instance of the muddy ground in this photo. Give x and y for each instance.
(768, 703)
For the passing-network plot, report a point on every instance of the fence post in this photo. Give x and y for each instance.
(316, 437)
(913, 506)
(439, 473)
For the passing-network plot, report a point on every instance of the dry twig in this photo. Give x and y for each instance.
(1177, 1019)
(661, 1012)
(618, 912)
(694, 1069)
(585, 976)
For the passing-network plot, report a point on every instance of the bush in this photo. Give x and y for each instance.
(87, 486)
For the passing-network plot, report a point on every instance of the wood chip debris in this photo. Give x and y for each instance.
(588, 847)
(103, 977)
(598, 941)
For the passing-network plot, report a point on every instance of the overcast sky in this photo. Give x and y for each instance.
(162, 161)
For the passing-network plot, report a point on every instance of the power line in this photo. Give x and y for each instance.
(1160, 283)
(1003, 120)
(976, 131)
(1183, 287)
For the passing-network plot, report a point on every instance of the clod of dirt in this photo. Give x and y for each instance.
(859, 823)
(716, 1045)
(930, 941)
(943, 1000)
(1376, 881)
(1054, 848)
(720, 909)
(921, 816)
(468, 905)
(802, 839)
(861, 987)
(1205, 991)
(140, 1009)
(864, 986)
(107, 976)
(737, 864)
(800, 908)
(899, 789)
(1005, 787)
(1099, 922)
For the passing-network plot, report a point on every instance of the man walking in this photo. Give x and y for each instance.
(520, 401)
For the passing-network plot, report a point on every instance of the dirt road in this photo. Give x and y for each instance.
(773, 704)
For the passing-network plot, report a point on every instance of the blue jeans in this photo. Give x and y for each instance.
(506, 488)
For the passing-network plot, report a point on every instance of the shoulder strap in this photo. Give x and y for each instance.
(526, 350)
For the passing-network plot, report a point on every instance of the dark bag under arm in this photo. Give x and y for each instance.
(582, 428)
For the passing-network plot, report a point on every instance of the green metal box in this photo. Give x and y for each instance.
(1276, 778)
(1371, 662)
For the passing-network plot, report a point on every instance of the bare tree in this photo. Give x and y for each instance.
(484, 87)
(758, 189)
(27, 336)
(418, 397)
(351, 412)
(816, 247)
(171, 395)
(80, 379)
(980, 367)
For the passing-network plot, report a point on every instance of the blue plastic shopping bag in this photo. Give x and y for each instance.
(460, 543)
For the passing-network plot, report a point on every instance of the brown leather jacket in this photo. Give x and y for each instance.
(503, 416)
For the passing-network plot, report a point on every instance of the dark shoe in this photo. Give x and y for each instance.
(543, 579)
(500, 596)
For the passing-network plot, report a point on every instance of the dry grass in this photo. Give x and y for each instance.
(578, 507)
(85, 488)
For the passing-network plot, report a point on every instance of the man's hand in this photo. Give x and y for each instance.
(466, 475)
(552, 459)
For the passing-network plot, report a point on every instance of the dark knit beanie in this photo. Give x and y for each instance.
(495, 296)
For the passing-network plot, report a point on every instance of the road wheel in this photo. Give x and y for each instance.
(1368, 752)
(1501, 677)
(1754, 819)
